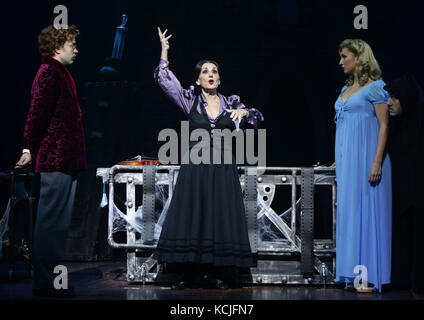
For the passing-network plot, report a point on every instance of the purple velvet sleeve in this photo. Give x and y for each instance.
(170, 85)
(255, 116)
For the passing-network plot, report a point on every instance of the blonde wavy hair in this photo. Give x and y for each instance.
(367, 66)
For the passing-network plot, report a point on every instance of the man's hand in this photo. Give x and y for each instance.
(24, 160)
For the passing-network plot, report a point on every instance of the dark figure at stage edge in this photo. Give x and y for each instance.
(406, 149)
(205, 230)
(54, 139)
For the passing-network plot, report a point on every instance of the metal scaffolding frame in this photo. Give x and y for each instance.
(296, 258)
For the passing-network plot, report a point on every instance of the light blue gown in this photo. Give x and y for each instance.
(364, 211)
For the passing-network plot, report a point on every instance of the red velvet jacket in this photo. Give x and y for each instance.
(53, 131)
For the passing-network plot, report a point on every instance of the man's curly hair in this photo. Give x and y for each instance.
(51, 39)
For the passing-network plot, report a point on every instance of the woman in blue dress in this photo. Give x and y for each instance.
(363, 172)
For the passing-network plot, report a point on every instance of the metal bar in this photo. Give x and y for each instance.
(272, 169)
(148, 219)
(110, 240)
(171, 176)
(294, 211)
(307, 221)
(251, 205)
(269, 169)
(130, 210)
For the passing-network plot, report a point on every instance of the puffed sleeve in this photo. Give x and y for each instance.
(171, 86)
(377, 94)
(255, 116)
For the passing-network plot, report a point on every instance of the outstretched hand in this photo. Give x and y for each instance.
(164, 39)
(238, 114)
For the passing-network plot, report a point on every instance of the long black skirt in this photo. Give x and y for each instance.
(206, 221)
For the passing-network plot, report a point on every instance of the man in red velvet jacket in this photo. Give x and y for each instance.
(54, 138)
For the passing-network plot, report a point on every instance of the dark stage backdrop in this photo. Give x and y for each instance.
(278, 56)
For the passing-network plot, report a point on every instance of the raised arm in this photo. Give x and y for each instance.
(164, 44)
(168, 82)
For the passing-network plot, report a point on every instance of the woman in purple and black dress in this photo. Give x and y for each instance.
(205, 231)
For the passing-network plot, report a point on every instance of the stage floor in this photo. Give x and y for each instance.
(106, 281)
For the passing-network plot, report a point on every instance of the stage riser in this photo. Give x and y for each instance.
(309, 259)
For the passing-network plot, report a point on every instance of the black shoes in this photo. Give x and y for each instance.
(54, 293)
(221, 278)
(181, 285)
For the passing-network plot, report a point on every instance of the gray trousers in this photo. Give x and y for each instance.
(55, 206)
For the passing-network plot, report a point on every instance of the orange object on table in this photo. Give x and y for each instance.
(140, 163)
